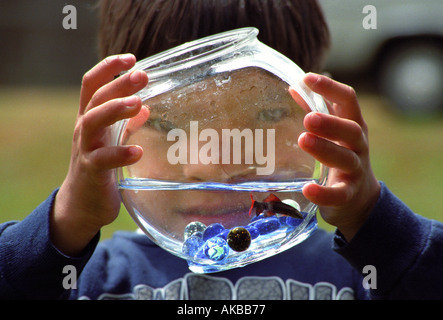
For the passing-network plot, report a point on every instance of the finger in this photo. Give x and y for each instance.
(330, 107)
(135, 123)
(101, 74)
(108, 158)
(335, 195)
(300, 101)
(99, 118)
(329, 153)
(344, 131)
(342, 96)
(122, 87)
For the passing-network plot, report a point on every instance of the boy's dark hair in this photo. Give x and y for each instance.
(296, 28)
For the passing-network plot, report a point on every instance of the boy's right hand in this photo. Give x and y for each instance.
(88, 199)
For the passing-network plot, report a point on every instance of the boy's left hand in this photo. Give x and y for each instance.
(339, 140)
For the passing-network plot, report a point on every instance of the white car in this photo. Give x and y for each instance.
(398, 42)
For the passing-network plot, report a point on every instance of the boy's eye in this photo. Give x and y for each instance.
(160, 124)
(272, 115)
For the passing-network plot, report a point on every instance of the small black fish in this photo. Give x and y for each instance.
(273, 205)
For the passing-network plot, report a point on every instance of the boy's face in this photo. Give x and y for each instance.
(229, 129)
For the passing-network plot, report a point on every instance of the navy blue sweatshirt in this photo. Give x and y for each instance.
(399, 252)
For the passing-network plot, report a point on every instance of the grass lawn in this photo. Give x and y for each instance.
(36, 128)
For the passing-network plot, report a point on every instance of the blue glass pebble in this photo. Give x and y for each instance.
(282, 220)
(216, 249)
(192, 245)
(267, 225)
(224, 234)
(261, 216)
(293, 222)
(212, 231)
(200, 254)
(253, 231)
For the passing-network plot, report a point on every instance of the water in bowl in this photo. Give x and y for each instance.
(212, 210)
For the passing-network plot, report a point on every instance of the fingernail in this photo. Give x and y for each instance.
(311, 78)
(135, 77)
(308, 141)
(315, 120)
(134, 151)
(131, 101)
(127, 57)
(313, 191)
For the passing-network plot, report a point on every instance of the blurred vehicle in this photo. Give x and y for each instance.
(403, 54)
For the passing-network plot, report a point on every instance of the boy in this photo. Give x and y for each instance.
(373, 227)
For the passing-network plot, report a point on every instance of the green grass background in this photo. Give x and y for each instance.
(36, 127)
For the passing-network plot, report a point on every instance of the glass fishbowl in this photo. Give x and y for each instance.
(219, 183)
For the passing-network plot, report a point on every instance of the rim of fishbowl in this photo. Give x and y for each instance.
(157, 64)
